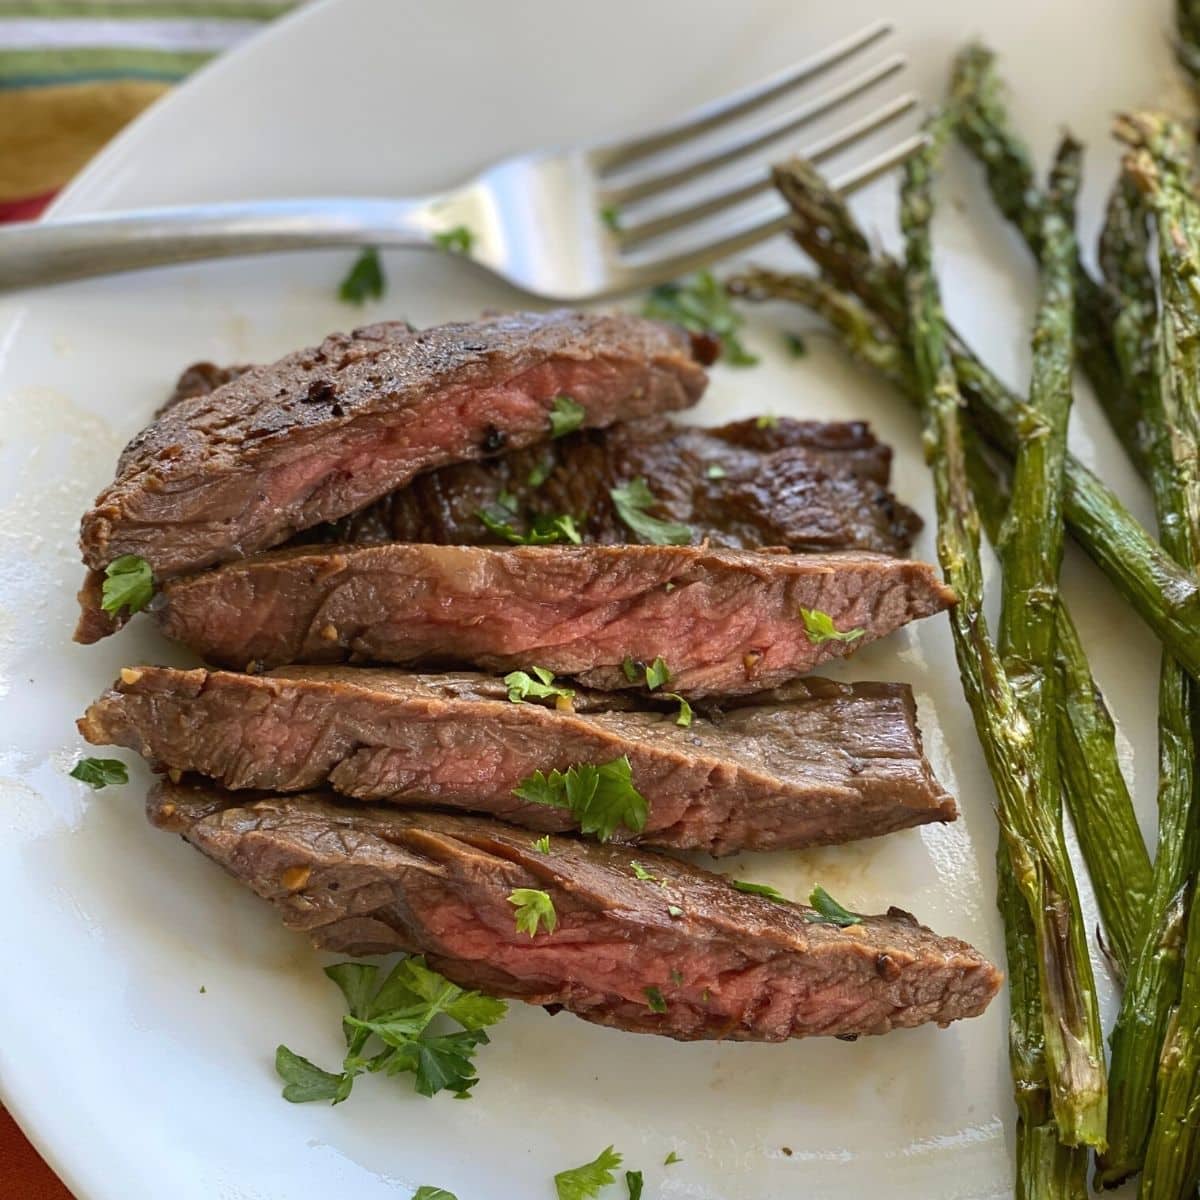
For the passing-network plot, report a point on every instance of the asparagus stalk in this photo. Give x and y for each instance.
(1163, 594)
(1020, 759)
(1187, 39)
(1098, 797)
(1157, 164)
(985, 129)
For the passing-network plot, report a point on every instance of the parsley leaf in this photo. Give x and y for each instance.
(425, 1192)
(715, 471)
(540, 473)
(674, 911)
(533, 907)
(521, 684)
(767, 421)
(544, 530)
(304, 1081)
(566, 415)
(685, 709)
(458, 240)
(582, 1183)
(542, 844)
(365, 280)
(639, 871)
(397, 1014)
(128, 583)
(760, 889)
(820, 628)
(829, 911)
(654, 1000)
(671, 1159)
(610, 214)
(702, 304)
(631, 669)
(100, 773)
(631, 502)
(600, 798)
(657, 673)
(633, 1182)
(796, 345)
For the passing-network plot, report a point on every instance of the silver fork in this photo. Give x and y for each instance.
(543, 221)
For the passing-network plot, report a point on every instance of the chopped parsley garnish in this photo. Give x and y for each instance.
(128, 583)
(684, 716)
(539, 685)
(633, 1184)
(760, 889)
(397, 1017)
(702, 304)
(540, 473)
(797, 346)
(674, 911)
(458, 240)
(632, 500)
(829, 911)
(542, 844)
(533, 908)
(631, 668)
(715, 471)
(365, 280)
(657, 673)
(566, 416)
(767, 421)
(582, 1183)
(639, 870)
(600, 798)
(100, 773)
(654, 1000)
(544, 529)
(425, 1192)
(671, 1159)
(610, 214)
(820, 628)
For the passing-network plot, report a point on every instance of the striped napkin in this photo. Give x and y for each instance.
(73, 72)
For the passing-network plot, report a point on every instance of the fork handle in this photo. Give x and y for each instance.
(39, 252)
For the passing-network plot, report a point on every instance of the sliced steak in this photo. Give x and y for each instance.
(724, 620)
(822, 487)
(834, 763)
(364, 880)
(325, 431)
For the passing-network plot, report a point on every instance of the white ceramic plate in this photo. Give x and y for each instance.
(144, 991)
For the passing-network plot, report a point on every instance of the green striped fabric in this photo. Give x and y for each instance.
(45, 42)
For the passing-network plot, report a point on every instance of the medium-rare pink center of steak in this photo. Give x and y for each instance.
(723, 620)
(682, 954)
(327, 430)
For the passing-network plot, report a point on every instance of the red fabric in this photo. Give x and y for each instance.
(23, 1175)
(24, 210)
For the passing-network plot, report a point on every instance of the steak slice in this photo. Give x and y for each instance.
(724, 620)
(823, 487)
(833, 763)
(364, 880)
(224, 473)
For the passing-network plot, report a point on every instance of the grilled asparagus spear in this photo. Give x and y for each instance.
(1007, 710)
(1158, 166)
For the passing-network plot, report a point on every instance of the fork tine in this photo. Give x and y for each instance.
(755, 228)
(758, 180)
(739, 143)
(736, 104)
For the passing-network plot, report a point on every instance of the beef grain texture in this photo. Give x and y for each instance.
(363, 880)
(823, 487)
(224, 473)
(832, 763)
(725, 621)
